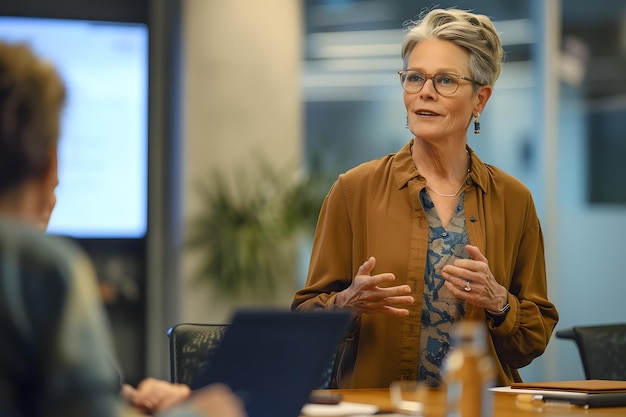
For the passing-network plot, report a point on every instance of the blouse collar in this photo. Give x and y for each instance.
(405, 170)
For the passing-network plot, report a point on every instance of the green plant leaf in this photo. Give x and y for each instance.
(246, 228)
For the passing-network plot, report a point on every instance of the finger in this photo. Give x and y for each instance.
(128, 393)
(464, 267)
(367, 266)
(452, 273)
(406, 299)
(148, 385)
(395, 291)
(475, 253)
(393, 311)
(386, 277)
(151, 394)
(457, 291)
(371, 281)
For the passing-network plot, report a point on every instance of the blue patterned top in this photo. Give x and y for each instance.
(440, 308)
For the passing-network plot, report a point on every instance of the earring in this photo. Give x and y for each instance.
(406, 124)
(476, 124)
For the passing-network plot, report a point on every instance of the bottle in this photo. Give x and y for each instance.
(469, 372)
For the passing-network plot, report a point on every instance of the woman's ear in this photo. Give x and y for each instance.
(482, 95)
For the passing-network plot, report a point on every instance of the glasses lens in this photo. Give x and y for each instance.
(446, 83)
(412, 81)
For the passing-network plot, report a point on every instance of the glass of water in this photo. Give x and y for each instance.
(407, 397)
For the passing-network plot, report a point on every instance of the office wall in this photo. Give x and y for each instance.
(241, 99)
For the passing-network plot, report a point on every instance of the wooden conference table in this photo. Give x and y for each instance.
(506, 404)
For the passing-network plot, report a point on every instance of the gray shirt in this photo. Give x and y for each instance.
(55, 350)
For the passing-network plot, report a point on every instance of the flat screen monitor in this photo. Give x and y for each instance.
(103, 147)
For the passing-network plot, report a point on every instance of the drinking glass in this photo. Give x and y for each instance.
(407, 397)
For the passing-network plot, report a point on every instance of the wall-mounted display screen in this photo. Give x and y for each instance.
(103, 148)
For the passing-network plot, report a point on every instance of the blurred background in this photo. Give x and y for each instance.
(183, 110)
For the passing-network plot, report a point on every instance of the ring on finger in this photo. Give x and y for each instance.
(468, 286)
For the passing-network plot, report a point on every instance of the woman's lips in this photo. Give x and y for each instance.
(426, 113)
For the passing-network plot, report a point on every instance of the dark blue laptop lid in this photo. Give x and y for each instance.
(273, 359)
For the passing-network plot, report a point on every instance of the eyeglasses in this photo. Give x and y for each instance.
(445, 83)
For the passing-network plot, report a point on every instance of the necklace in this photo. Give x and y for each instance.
(469, 169)
(446, 195)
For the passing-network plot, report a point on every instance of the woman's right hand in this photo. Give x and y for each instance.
(365, 296)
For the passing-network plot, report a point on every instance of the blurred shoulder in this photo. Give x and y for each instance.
(34, 249)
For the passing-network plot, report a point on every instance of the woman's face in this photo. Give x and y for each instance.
(432, 116)
(48, 193)
(47, 209)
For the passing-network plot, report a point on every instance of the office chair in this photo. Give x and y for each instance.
(602, 349)
(192, 346)
(191, 349)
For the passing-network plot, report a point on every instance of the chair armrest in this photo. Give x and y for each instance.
(566, 334)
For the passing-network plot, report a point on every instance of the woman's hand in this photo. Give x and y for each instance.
(153, 395)
(365, 296)
(471, 280)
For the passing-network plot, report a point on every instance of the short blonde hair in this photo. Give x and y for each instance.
(473, 32)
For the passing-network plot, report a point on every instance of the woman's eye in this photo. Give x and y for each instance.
(444, 79)
(415, 78)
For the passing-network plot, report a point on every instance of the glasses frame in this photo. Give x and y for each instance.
(427, 77)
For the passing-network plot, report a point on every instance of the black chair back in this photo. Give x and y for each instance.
(192, 346)
(191, 349)
(602, 349)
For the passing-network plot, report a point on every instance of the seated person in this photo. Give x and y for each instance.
(55, 352)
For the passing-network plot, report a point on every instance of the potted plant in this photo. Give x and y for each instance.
(248, 227)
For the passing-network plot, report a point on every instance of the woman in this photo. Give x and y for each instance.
(417, 240)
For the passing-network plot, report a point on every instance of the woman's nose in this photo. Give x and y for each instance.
(428, 89)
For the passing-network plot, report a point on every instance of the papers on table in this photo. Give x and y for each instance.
(344, 408)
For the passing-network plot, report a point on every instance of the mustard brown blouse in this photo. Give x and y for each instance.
(374, 209)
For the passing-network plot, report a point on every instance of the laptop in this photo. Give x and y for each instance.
(273, 359)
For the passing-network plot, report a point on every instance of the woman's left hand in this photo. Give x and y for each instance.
(471, 280)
